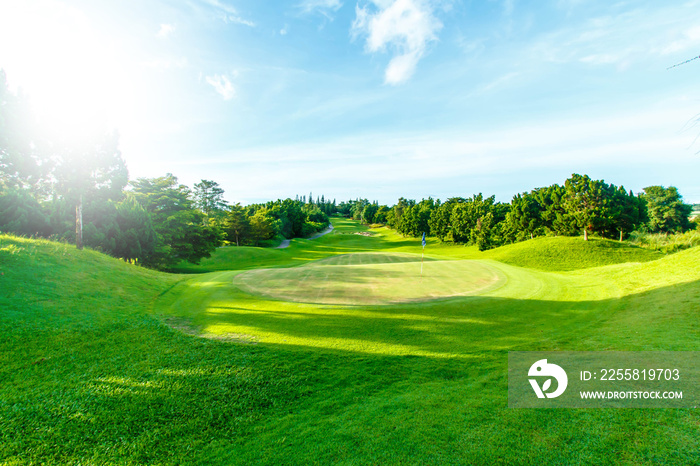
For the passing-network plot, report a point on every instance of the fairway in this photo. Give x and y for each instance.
(333, 351)
(371, 278)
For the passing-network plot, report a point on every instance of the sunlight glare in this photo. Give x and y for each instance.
(77, 80)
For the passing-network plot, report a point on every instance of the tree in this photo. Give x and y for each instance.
(395, 220)
(495, 231)
(524, 219)
(237, 225)
(22, 164)
(482, 232)
(95, 168)
(357, 208)
(136, 238)
(181, 232)
(588, 204)
(209, 198)
(391, 218)
(290, 216)
(90, 171)
(552, 213)
(630, 211)
(100, 227)
(262, 226)
(344, 209)
(369, 212)
(440, 218)
(408, 223)
(315, 215)
(466, 214)
(21, 214)
(381, 215)
(667, 211)
(416, 218)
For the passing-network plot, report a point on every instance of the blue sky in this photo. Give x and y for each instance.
(375, 99)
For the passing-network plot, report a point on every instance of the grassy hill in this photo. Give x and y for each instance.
(106, 363)
(570, 253)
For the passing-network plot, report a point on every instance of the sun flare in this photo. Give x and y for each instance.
(76, 79)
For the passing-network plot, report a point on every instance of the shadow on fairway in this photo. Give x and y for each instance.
(391, 384)
(664, 318)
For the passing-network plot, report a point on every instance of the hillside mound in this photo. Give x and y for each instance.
(54, 281)
(566, 253)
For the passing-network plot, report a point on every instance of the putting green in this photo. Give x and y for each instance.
(371, 278)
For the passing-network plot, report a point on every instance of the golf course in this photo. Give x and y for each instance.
(344, 349)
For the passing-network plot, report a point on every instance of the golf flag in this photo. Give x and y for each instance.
(423, 239)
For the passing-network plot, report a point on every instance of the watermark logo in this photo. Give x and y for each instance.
(542, 368)
(603, 379)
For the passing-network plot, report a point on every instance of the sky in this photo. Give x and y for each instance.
(377, 99)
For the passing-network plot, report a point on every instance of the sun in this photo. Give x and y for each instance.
(76, 79)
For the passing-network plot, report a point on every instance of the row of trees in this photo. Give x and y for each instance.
(582, 206)
(326, 206)
(157, 221)
(288, 218)
(61, 190)
(364, 211)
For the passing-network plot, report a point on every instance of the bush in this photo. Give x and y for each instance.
(21, 214)
(664, 242)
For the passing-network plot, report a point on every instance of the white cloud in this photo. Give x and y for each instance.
(228, 13)
(688, 39)
(239, 20)
(453, 161)
(221, 6)
(222, 85)
(324, 7)
(403, 27)
(624, 38)
(165, 30)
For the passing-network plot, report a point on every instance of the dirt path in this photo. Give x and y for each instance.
(285, 242)
(324, 232)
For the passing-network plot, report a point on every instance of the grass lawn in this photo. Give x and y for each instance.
(304, 356)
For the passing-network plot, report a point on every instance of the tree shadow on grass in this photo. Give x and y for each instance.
(134, 391)
(661, 318)
(158, 396)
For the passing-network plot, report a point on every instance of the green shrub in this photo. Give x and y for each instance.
(664, 242)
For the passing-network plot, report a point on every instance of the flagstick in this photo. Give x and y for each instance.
(421, 262)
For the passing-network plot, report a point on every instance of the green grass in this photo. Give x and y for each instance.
(371, 278)
(341, 240)
(546, 253)
(566, 253)
(106, 363)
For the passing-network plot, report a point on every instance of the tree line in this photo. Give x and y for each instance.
(61, 190)
(81, 191)
(581, 206)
